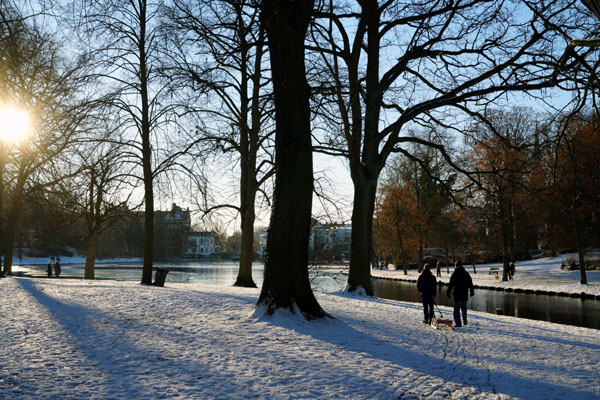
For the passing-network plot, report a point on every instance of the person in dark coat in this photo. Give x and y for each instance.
(461, 284)
(49, 269)
(427, 286)
(57, 268)
(438, 268)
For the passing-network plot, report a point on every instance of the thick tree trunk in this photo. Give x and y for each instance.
(286, 283)
(90, 257)
(361, 244)
(580, 250)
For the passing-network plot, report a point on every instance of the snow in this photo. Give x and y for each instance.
(71, 260)
(77, 339)
(541, 274)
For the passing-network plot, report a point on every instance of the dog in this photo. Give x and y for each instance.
(437, 322)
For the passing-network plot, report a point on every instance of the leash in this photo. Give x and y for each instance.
(438, 309)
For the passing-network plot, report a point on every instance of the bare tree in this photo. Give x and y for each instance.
(100, 192)
(39, 80)
(220, 55)
(396, 64)
(124, 39)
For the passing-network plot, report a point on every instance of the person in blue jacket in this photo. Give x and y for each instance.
(461, 283)
(427, 286)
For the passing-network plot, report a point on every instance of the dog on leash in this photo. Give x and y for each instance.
(441, 322)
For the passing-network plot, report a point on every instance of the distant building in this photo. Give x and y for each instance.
(200, 245)
(327, 242)
(171, 232)
(330, 241)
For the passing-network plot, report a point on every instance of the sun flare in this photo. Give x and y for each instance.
(15, 124)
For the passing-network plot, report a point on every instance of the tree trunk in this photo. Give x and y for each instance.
(248, 150)
(13, 220)
(286, 282)
(580, 250)
(447, 263)
(148, 229)
(145, 131)
(2, 233)
(505, 248)
(420, 261)
(90, 256)
(244, 278)
(513, 235)
(361, 245)
(365, 166)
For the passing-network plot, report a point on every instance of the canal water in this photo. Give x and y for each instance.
(562, 310)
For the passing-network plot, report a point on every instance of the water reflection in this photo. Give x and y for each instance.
(322, 279)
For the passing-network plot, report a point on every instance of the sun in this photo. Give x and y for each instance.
(15, 124)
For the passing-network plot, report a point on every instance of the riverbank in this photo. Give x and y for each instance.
(541, 276)
(72, 260)
(75, 339)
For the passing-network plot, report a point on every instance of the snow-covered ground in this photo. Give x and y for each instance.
(542, 274)
(76, 339)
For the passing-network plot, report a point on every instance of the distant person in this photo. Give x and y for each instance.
(57, 268)
(438, 269)
(511, 271)
(427, 286)
(49, 269)
(460, 283)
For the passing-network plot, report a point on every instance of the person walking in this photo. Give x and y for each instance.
(49, 269)
(438, 269)
(460, 285)
(57, 268)
(427, 286)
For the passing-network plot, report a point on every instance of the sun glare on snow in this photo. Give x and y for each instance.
(15, 124)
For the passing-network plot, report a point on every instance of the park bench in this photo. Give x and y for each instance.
(494, 270)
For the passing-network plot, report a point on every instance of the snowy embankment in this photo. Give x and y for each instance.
(542, 275)
(75, 339)
(71, 260)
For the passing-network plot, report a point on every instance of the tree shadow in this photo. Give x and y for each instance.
(447, 367)
(133, 366)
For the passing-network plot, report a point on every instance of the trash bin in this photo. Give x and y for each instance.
(160, 276)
